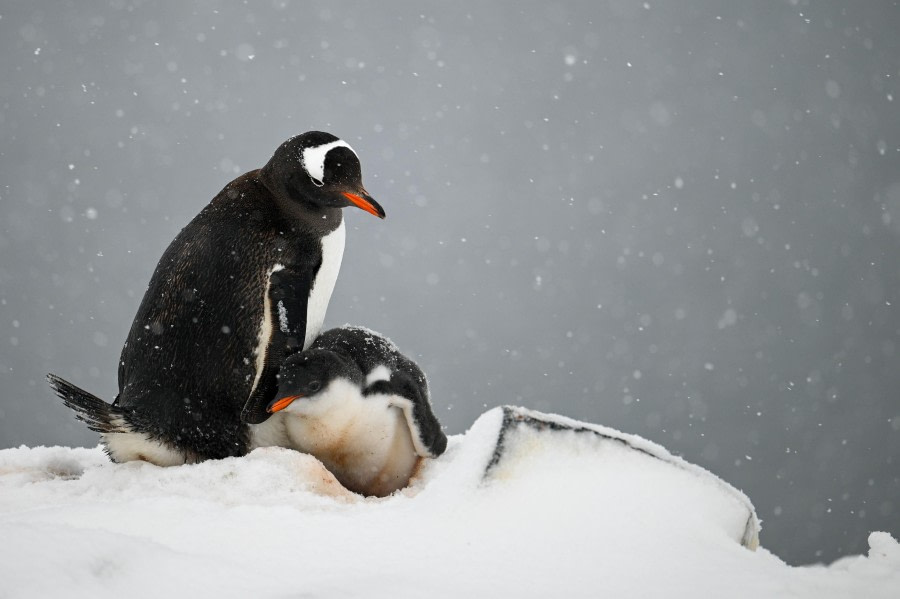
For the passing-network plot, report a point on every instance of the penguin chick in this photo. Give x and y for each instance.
(370, 429)
(389, 372)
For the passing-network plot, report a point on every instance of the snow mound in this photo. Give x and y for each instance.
(621, 464)
(523, 504)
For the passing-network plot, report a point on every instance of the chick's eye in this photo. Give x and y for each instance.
(314, 386)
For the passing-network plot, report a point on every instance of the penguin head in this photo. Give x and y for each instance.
(309, 374)
(319, 170)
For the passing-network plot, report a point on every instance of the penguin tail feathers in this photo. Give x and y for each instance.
(90, 409)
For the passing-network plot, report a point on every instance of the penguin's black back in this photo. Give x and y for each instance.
(188, 364)
(369, 350)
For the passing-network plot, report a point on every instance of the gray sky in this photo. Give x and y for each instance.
(680, 219)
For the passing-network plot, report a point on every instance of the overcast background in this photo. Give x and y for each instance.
(679, 219)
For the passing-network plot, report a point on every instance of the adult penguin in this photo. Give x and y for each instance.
(203, 346)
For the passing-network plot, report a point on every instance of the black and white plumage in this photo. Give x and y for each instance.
(203, 339)
(360, 406)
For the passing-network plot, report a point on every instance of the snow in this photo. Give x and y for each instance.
(523, 505)
(283, 318)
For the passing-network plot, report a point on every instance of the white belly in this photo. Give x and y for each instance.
(320, 294)
(317, 304)
(129, 447)
(364, 441)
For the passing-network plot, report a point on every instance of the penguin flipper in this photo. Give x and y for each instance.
(90, 409)
(289, 291)
(427, 436)
(286, 302)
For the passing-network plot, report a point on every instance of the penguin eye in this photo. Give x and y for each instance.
(314, 386)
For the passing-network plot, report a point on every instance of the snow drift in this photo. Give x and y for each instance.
(523, 505)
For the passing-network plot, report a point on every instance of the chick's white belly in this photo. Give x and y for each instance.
(364, 441)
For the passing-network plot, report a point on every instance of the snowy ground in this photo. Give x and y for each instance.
(519, 511)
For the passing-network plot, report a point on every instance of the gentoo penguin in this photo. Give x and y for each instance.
(357, 404)
(202, 342)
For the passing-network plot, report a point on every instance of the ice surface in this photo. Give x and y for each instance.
(521, 505)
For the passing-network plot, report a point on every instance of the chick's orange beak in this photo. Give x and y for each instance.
(282, 403)
(366, 202)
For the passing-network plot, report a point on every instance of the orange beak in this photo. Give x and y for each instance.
(282, 403)
(365, 202)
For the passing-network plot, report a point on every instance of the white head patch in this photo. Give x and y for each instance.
(379, 373)
(313, 159)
